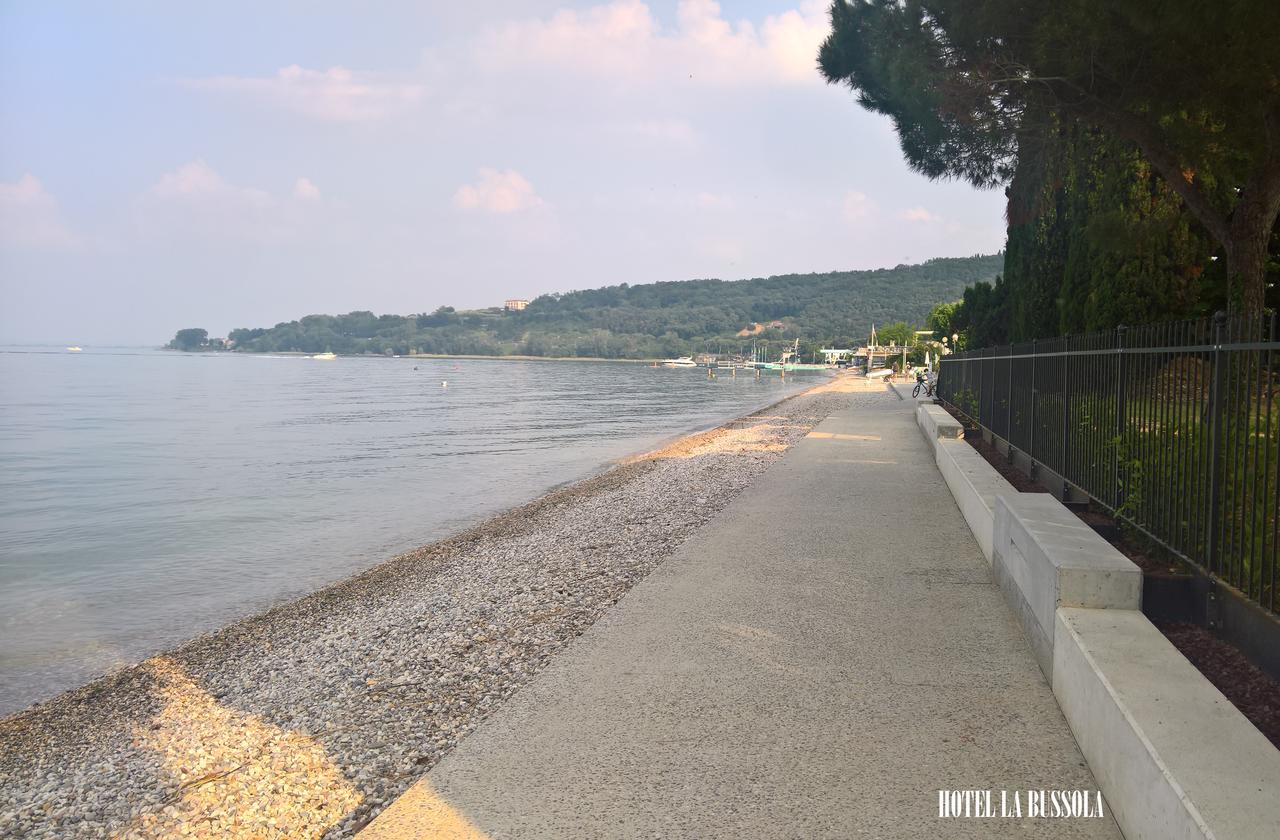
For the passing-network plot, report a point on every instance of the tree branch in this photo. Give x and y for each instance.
(1163, 160)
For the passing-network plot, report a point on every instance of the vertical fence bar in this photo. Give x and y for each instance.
(1182, 541)
(1204, 391)
(1271, 386)
(1231, 470)
(1121, 381)
(1066, 416)
(1008, 400)
(1164, 382)
(1257, 394)
(1031, 424)
(1215, 441)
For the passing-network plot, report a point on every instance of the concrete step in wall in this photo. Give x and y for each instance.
(1044, 558)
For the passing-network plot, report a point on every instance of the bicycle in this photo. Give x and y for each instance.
(927, 384)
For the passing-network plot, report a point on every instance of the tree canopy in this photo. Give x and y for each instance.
(189, 339)
(976, 88)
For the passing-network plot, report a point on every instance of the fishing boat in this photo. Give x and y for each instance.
(325, 356)
(682, 362)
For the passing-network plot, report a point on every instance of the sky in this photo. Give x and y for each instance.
(234, 164)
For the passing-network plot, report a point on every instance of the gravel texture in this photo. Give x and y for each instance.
(307, 720)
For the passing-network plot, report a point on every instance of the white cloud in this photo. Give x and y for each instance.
(498, 192)
(196, 181)
(624, 41)
(29, 216)
(713, 201)
(194, 199)
(857, 207)
(336, 94)
(919, 214)
(304, 189)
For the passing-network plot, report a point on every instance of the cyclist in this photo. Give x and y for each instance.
(924, 382)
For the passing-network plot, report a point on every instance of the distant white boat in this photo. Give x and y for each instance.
(74, 349)
(683, 361)
(325, 356)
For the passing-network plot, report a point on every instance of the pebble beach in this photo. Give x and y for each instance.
(307, 720)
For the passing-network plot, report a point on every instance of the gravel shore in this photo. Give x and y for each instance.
(307, 720)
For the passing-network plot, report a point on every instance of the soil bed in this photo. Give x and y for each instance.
(1251, 691)
(1020, 480)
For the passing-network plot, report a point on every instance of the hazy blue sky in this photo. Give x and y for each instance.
(165, 165)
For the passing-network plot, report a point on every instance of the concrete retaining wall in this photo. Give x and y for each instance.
(1044, 557)
(1172, 756)
(973, 482)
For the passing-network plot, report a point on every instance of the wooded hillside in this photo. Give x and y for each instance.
(647, 321)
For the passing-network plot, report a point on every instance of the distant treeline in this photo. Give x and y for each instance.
(639, 322)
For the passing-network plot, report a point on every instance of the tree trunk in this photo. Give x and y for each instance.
(1246, 250)
(1246, 232)
(1250, 226)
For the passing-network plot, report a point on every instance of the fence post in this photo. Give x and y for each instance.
(1066, 414)
(1031, 439)
(981, 375)
(1008, 404)
(1122, 372)
(1215, 441)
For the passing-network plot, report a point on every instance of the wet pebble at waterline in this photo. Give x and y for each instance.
(307, 720)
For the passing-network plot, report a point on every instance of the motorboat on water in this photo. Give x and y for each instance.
(683, 361)
(75, 349)
(325, 356)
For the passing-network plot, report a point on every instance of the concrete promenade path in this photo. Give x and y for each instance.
(810, 664)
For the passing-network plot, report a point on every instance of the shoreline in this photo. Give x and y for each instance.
(479, 358)
(601, 471)
(302, 355)
(356, 689)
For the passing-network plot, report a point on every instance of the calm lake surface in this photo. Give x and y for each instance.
(149, 496)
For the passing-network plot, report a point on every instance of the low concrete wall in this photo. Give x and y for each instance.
(1044, 557)
(976, 486)
(1173, 757)
(973, 482)
(936, 423)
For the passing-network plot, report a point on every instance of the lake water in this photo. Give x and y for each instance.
(149, 496)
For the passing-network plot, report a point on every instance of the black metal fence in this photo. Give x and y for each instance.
(1172, 427)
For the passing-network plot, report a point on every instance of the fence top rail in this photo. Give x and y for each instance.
(1203, 335)
(1108, 351)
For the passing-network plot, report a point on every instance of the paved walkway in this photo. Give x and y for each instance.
(806, 666)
